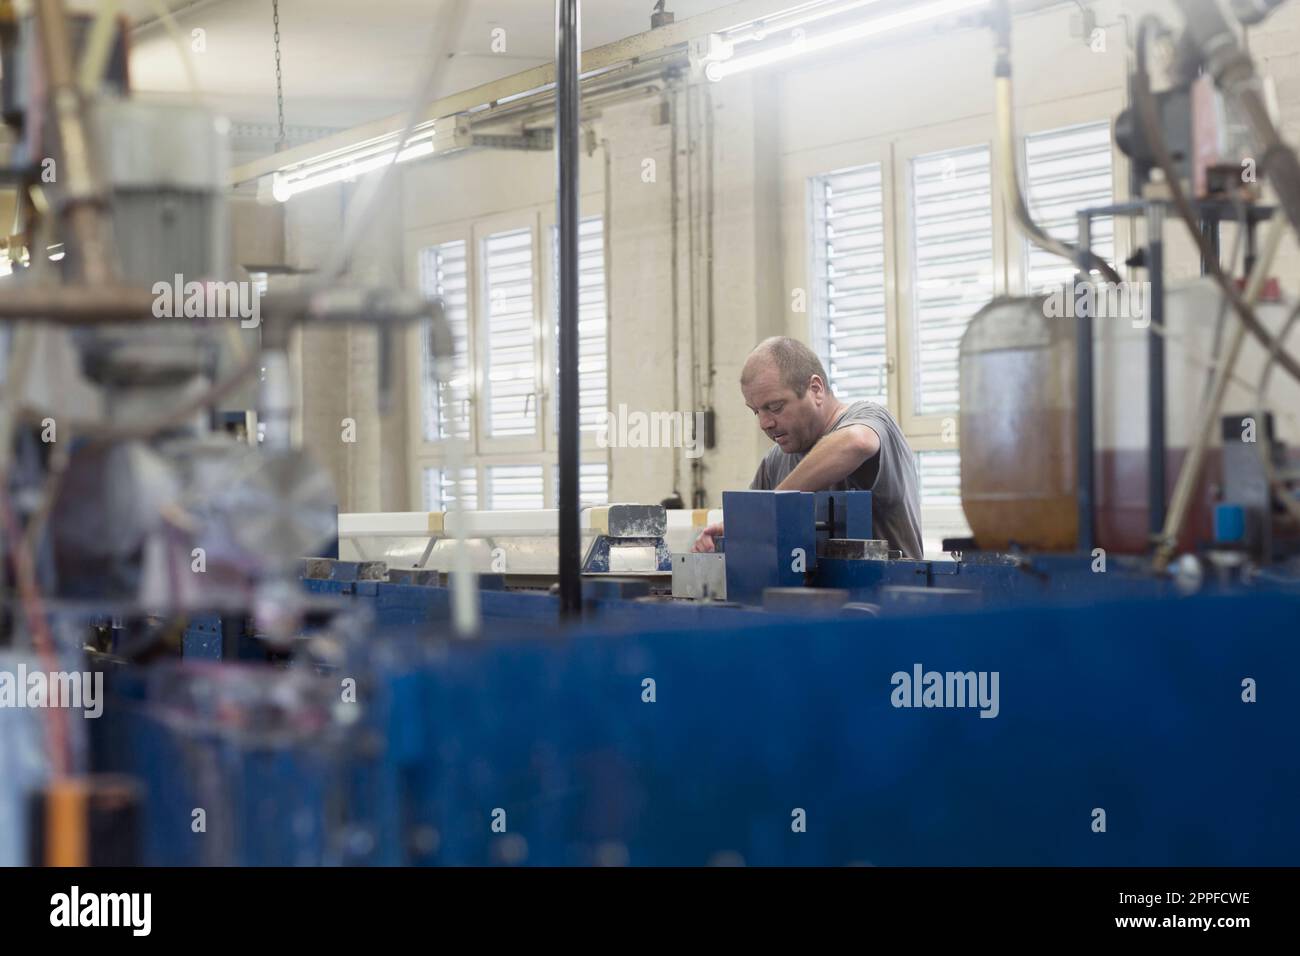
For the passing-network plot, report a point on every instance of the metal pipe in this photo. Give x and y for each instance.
(568, 106)
(1085, 442)
(1156, 443)
(541, 114)
(107, 305)
(1007, 161)
(84, 208)
(76, 305)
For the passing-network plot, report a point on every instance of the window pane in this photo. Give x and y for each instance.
(593, 484)
(593, 323)
(440, 490)
(848, 268)
(1067, 170)
(445, 407)
(511, 372)
(941, 511)
(952, 265)
(940, 476)
(512, 487)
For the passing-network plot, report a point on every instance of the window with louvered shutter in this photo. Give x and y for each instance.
(593, 324)
(940, 476)
(939, 473)
(440, 489)
(510, 373)
(445, 405)
(593, 484)
(514, 487)
(1066, 170)
(952, 265)
(848, 269)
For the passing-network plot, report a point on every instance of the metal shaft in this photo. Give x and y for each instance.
(83, 210)
(567, 110)
(1156, 414)
(1085, 434)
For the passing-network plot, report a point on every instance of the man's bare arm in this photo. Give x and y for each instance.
(833, 458)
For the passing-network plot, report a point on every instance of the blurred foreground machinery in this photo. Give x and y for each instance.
(131, 337)
(802, 696)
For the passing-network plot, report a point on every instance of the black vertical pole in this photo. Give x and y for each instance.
(567, 105)
(1084, 439)
(1156, 372)
(1248, 223)
(1210, 230)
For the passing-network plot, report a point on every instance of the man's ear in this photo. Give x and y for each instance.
(815, 384)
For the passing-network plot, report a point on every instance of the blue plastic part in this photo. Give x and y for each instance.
(771, 541)
(850, 517)
(203, 639)
(1229, 524)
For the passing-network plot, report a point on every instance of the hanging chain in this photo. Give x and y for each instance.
(279, 77)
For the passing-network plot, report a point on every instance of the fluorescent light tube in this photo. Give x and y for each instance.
(284, 186)
(442, 137)
(868, 28)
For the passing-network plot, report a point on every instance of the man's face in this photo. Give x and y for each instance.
(793, 423)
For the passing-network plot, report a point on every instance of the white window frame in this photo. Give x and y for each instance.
(927, 432)
(482, 451)
(589, 451)
(483, 228)
(798, 170)
(422, 453)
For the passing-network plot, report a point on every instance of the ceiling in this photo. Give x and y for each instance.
(346, 62)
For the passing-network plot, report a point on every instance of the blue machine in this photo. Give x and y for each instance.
(1139, 709)
(1120, 723)
(774, 537)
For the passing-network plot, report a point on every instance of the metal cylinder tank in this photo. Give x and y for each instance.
(1018, 426)
(1018, 421)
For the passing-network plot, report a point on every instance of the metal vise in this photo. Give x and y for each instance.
(629, 539)
(774, 538)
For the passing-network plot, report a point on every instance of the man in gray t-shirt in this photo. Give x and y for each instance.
(823, 444)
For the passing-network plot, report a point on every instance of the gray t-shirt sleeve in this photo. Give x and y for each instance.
(890, 475)
(760, 477)
(859, 413)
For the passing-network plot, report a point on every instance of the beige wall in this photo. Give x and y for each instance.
(731, 204)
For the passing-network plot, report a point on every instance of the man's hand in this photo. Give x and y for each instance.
(705, 541)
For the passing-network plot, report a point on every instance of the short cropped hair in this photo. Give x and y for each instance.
(795, 362)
